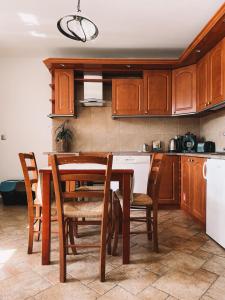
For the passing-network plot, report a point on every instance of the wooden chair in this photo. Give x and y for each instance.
(93, 209)
(149, 201)
(30, 172)
(97, 186)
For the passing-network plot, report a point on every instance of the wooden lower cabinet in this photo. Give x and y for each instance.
(193, 187)
(170, 187)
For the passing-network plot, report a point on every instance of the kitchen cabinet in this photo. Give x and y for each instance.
(157, 92)
(217, 73)
(64, 92)
(185, 183)
(184, 90)
(127, 97)
(203, 83)
(193, 187)
(211, 78)
(169, 189)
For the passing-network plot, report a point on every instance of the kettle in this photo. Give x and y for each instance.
(173, 145)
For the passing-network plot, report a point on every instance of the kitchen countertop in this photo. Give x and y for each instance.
(216, 155)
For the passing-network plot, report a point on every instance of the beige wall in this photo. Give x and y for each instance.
(94, 130)
(212, 128)
(24, 105)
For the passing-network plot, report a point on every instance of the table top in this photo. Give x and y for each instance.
(89, 168)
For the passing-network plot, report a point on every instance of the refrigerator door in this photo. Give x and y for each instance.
(215, 202)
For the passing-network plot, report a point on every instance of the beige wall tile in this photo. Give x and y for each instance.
(212, 128)
(95, 130)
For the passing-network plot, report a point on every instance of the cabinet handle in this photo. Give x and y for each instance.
(205, 104)
(204, 170)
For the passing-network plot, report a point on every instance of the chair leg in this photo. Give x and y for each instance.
(103, 246)
(109, 239)
(30, 236)
(117, 217)
(38, 215)
(62, 253)
(75, 228)
(149, 222)
(155, 230)
(71, 235)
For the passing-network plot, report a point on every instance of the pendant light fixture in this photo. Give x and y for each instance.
(77, 27)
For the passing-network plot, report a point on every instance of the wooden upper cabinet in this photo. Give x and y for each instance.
(184, 90)
(127, 97)
(217, 73)
(157, 92)
(203, 83)
(169, 188)
(64, 92)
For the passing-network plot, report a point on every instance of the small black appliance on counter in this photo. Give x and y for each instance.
(189, 143)
(206, 147)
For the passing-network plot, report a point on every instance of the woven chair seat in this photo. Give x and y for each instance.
(141, 199)
(83, 209)
(91, 188)
(137, 199)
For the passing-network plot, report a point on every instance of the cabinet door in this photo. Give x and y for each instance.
(203, 83)
(157, 92)
(186, 183)
(127, 97)
(217, 73)
(169, 188)
(198, 197)
(184, 90)
(64, 92)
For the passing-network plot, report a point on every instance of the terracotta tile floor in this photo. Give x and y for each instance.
(189, 265)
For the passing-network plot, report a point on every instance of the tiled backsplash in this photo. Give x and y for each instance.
(95, 130)
(212, 128)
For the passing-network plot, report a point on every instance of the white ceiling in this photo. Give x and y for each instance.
(128, 28)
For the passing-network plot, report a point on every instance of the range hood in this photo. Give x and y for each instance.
(93, 91)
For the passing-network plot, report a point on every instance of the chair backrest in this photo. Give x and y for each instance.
(155, 175)
(30, 173)
(83, 176)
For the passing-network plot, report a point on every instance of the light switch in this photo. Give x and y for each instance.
(3, 137)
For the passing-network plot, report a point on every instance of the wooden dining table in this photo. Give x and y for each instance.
(123, 176)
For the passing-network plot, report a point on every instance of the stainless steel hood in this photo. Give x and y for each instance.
(93, 91)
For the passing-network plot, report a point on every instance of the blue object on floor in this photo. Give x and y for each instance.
(13, 192)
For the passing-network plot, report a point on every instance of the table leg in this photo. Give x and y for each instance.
(46, 218)
(126, 218)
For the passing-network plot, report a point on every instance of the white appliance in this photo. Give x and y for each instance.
(140, 165)
(215, 200)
